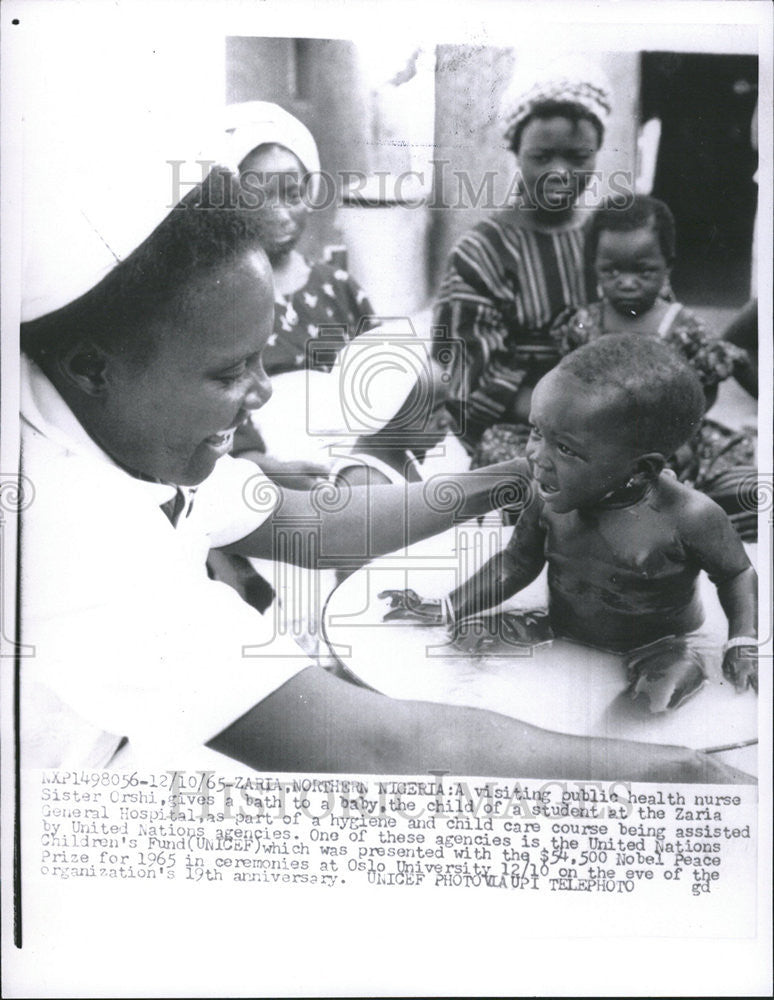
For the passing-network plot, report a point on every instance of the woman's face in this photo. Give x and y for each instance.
(556, 157)
(273, 177)
(173, 416)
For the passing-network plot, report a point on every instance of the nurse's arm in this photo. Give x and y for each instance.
(356, 524)
(317, 722)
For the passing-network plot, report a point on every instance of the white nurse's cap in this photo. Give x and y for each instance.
(90, 213)
(110, 144)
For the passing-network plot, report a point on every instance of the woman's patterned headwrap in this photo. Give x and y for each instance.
(572, 80)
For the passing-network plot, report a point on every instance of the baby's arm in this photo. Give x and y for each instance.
(568, 331)
(709, 535)
(506, 573)
(739, 598)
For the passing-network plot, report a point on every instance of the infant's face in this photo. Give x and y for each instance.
(630, 269)
(576, 451)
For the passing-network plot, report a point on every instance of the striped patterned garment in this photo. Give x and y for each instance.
(503, 286)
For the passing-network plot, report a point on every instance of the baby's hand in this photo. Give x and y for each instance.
(474, 635)
(407, 605)
(740, 665)
(510, 628)
(666, 673)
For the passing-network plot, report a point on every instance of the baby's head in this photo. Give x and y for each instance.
(632, 248)
(607, 417)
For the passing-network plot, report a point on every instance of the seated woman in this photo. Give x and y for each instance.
(279, 166)
(278, 163)
(508, 278)
(396, 452)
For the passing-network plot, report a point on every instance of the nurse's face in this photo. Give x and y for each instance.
(273, 177)
(172, 416)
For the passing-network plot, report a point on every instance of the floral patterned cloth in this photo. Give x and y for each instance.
(713, 360)
(332, 306)
(500, 443)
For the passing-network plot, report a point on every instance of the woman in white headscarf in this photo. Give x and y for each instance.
(279, 165)
(318, 307)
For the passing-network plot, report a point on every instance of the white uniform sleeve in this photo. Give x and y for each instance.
(234, 501)
(127, 629)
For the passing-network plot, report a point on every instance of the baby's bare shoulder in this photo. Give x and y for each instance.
(690, 509)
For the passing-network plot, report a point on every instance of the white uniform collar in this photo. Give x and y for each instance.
(44, 408)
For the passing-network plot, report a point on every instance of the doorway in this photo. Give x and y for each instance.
(705, 166)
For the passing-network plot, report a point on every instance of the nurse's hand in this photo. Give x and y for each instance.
(689, 766)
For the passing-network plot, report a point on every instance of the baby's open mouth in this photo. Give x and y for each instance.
(222, 438)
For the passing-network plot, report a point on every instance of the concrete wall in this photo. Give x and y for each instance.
(470, 82)
(322, 82)
(318, 81)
